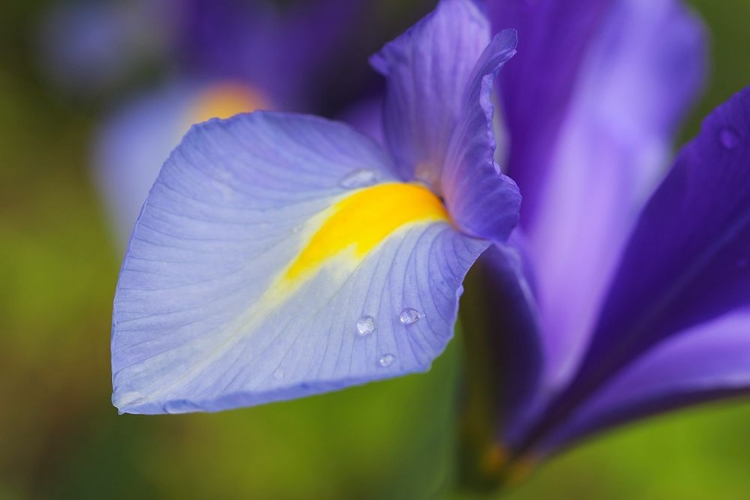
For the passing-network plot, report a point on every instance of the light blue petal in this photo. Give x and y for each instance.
(200, 322)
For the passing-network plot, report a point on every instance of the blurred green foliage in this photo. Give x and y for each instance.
(61, 438)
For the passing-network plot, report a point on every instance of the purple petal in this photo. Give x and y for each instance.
(707, 362)
(538, 84)
(643, 68)
(481, 200)
(213, 309)
(687, 260)
(428, 70)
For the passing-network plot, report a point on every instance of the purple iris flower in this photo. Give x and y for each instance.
(282, 255)
(624, 292)
(232, 57)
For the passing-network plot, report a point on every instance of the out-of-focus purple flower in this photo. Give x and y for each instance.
(280, 52)
(282, 255)
(232, 56)
(624, 292)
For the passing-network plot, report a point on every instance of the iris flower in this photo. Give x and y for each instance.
(624, 292)
(282, 255)
(233, 57)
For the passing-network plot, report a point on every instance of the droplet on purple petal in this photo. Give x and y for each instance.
(409, 316)
(359, 179)
(386, 360)
(365, 326)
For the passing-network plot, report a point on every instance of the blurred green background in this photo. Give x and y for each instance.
(61, 438)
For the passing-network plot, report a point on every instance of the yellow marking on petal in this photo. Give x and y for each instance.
(366, 218)
(227, 99)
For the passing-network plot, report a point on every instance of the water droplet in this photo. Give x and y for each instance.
(386, 360)
(278, 374)
(409, 316)
(297, 228)
(729, 138)
(366, 325)
(359, 179)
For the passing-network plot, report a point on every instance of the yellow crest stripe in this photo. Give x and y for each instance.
(364, 219)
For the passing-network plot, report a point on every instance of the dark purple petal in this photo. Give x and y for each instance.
(537, 86)
(707, 362)
(481, 200)
(428, 69)
(643, 68)
(687, 260)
